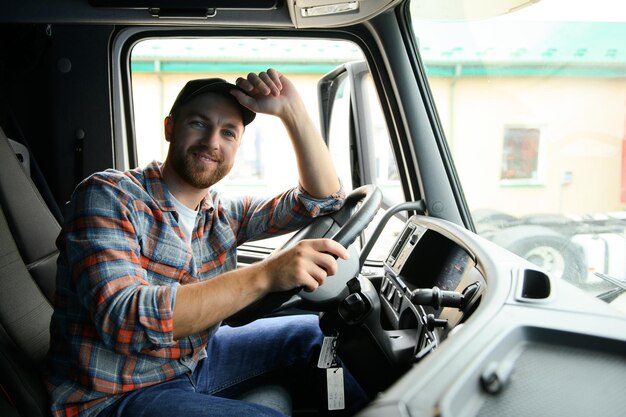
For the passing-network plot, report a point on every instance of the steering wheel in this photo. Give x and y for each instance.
(343, 226)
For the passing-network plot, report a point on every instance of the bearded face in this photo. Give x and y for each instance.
(199, 166)
(204, 137)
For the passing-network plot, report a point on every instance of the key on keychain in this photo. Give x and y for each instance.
(334, 373)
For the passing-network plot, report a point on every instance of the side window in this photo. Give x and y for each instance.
(265, 162)
(386, 169)
(386, 173)
(339, 134)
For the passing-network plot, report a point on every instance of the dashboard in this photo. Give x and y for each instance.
(462, 327)
(430, 284)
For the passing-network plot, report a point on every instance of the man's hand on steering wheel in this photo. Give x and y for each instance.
(315, 259)
(305, 265)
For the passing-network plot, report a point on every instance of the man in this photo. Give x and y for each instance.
(147, 266)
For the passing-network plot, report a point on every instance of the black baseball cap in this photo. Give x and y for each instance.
(194, 88)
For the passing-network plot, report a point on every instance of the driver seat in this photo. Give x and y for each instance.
(28, 255)
(27, 275)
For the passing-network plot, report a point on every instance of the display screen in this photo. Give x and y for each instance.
(422, 259)
(453, 269)
(434, 261)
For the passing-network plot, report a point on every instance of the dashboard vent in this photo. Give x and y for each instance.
(533, 285)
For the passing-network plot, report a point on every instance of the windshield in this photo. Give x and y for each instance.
(533, 107)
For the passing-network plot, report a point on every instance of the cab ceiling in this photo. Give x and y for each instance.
(219, 13)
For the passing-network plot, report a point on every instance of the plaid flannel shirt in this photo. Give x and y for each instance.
(122, 259)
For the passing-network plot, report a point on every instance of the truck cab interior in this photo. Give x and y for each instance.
(488, 278)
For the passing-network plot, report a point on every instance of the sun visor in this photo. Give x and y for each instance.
(186, 8)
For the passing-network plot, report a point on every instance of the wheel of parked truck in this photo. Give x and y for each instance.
(544, 247)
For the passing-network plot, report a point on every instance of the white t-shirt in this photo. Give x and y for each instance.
(186, 218)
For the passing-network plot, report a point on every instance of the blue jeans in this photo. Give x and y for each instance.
(281, 350)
